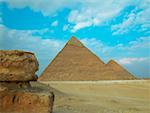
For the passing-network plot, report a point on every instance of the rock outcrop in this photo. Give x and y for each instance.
(17, 69)
(17, 66)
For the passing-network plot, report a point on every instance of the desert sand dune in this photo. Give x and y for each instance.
(102, 97)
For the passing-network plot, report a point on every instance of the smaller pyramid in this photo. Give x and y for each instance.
(119, 70)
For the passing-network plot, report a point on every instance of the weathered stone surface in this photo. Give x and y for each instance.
(17, 66)
(14, 85)
(29, 100)
(17, 95)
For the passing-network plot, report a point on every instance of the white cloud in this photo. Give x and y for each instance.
(65, 27)
(96, 13)
(47, 7)
(132, 60)
(125, 26)
(93, 43)
(93, 12)
(142, 42)
(45, 49)
(80, 26)
(138, 66)
(138, 48)
(138, 17)
(55, 23)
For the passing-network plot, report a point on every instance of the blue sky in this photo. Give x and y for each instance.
(112, 29)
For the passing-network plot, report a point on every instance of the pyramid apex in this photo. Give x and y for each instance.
(111, 61)
(114, 64)
(73, 38)
(75, 42)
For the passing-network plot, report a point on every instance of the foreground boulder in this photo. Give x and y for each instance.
(17, 95)
(17, 66)
(27, 100)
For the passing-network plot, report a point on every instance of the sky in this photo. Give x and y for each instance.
(112, 29)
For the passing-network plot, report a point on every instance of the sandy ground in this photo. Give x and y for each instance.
(102, 97)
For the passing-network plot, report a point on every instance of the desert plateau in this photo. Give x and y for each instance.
(121, 96)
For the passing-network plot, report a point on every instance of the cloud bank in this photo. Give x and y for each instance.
(93, 12)
(45, 49)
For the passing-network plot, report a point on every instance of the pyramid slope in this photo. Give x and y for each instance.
(75, 62)
(119, 70)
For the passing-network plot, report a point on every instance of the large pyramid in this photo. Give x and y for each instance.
(75, 62)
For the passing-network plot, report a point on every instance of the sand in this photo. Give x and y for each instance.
(131, 96)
